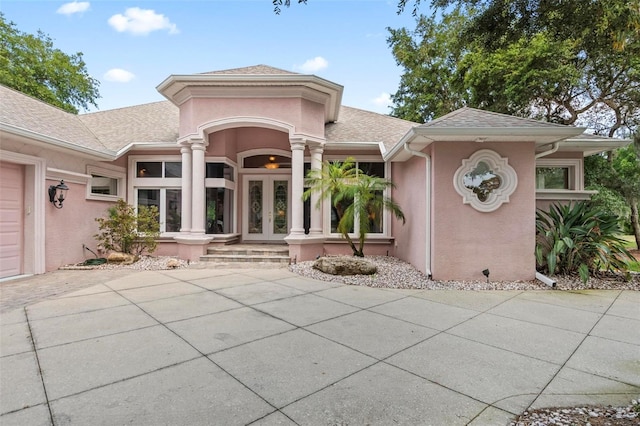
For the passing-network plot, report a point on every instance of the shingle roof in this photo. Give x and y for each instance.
(26, 113)
(253, 70)
(476, 118)
(357, 125)
(154, 122)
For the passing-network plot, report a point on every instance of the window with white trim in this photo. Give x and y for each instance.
(376, 218)
(559, 174)
(485, 180)
(220, 188)
(105, 184)
(157, 182)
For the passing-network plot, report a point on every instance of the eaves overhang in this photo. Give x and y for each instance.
(35, 138)
(420, 137)
(180, 88)
(590, 145)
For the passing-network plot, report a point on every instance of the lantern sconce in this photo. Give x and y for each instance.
(57, 194)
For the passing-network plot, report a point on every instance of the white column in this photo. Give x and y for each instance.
(198, 214)
(316, 208)
(185, 219)
(297, 187)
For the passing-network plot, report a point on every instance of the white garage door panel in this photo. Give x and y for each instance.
(11, 234)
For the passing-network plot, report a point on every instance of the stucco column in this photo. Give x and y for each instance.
(185, 218)
(297, 187)
(316, 206)
(198, 192)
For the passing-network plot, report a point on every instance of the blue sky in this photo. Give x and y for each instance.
(131, 46)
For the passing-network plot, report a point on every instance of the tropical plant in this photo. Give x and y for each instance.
(123, 230)
(355, 198)
(579, 239)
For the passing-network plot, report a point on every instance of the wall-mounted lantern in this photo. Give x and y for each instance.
(57, 194)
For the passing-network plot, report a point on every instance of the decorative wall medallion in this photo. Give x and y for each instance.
(485, 180)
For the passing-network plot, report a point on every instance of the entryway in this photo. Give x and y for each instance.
(265, 209)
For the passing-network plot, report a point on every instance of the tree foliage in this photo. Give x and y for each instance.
(524, 60)
(123, 230)
(355, 197)
(32, 65)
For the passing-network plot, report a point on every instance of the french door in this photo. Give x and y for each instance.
(266, 212)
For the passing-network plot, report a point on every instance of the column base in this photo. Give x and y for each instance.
(191, 247)
(305, 247)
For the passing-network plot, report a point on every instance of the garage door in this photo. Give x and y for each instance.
(11, 235)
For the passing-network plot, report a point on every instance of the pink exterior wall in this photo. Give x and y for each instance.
(466, 241)
(305, 116)
(71, 226)
(410, 193)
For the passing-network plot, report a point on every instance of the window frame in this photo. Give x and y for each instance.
(114, 173)
(500, 167)
(576, 189)
(326, 205)
(160, 183)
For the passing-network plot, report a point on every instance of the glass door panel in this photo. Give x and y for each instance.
(266, 207)
(280, 206)
(256, 202)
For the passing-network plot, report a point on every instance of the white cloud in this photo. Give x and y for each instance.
(313, 65)
(141, 22)
(119, 75)
(73, 7)
(384, 100)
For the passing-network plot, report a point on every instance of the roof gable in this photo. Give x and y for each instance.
(253, 70)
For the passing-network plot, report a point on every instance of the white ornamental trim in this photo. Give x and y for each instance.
(493, 197)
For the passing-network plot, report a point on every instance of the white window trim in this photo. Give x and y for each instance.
(576, 172)
(500, 166)
(386, 214)
(119, 174)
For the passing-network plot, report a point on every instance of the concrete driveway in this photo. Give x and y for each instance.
(267, 347)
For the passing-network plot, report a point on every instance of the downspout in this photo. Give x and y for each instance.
(427, 159)
(554, 147)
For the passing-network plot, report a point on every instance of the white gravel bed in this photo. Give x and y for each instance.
(591, 416)
(394, 273)
(145, 263)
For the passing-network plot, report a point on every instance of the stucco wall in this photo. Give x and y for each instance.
(410, 193)
(71, 226)
(305, 116)
(466, 241)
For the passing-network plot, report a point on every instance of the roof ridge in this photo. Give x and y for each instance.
(124, 107)
(248, 70)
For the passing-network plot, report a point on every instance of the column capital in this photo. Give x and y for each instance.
(297, 144)
(316, 146)
(191, 140)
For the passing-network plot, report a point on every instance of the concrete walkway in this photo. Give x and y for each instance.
(267, 347)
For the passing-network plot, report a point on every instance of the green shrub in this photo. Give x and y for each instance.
(124, 231)
(579, 238)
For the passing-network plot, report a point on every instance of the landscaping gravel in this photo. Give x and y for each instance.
(394, 273)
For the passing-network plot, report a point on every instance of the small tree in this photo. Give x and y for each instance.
(355, 198)
(125, 231)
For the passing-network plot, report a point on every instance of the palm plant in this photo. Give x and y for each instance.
(363, 195)
(579, 238)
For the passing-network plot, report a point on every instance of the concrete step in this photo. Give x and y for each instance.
(249, 255)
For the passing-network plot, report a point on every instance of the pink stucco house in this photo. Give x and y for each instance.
(224, 159)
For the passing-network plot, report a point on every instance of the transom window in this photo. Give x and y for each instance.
(158, 169)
